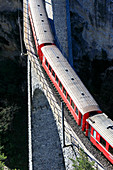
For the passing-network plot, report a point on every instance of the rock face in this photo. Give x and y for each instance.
(9, 30)
(93, 19)
(92, 41)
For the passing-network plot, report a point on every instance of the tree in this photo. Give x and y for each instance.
(81, 162)
(6, 116)
(2, 159)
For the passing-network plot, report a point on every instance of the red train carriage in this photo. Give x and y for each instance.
(77, 98)
(40, 25)
(101, 134)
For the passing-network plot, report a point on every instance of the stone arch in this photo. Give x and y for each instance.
(46, 142)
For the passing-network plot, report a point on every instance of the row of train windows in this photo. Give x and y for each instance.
(63, 89)
(103, 142)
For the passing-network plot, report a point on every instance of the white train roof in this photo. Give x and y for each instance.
(71, 82)
(40, 21)
(103, 125)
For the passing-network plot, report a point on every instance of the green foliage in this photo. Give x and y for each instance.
(2, 159)
(6, 116)
(81, 162)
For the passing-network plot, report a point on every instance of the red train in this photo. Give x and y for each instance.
(96, 125)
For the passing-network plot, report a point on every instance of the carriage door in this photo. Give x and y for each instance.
(89, 132)
(81, 120)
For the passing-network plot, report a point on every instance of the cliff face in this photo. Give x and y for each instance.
(92, 41)
(93, 19)
(9, 30)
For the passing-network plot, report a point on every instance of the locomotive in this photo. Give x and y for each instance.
(85, 110)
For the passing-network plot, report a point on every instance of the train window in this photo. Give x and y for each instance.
(110, 149)
(72, 104)
(49, 68)
(68, 98)
(60, 85)
(46, 63)
(76, 111)
(102, 141)
(94, 134)
(64, 91)
(57, 79)
(53, 74)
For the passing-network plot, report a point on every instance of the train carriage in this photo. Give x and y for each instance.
(70, 87)
(101, 134)
(40, 25)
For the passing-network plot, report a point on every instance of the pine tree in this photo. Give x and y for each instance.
(2, 159)
(6, 116)
(82, 162)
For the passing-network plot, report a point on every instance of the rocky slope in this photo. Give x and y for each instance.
(92, 41)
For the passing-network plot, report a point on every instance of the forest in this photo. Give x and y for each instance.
(13, 115)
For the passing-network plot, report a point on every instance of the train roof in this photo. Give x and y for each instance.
(71, 82)
(40, 22)
(103, 125)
